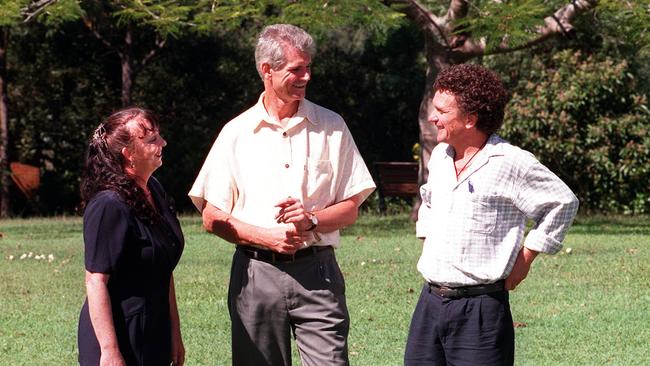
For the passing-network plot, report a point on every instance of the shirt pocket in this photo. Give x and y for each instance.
(319, 179)
(483, 213)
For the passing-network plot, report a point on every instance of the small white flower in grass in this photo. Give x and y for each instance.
(23, 256)
(31, 254)
(568, 250)
(363, 263)
(11, 257)
(50, 258)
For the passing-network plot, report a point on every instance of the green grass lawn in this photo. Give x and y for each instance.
(586, 306)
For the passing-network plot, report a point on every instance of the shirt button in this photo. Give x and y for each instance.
(286, 165)
(284, 134)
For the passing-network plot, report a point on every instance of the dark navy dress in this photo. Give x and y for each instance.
(140, 258)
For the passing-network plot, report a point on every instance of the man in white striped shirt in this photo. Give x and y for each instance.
(480, 193)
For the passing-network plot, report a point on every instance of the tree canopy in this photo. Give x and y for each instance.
(192, 61)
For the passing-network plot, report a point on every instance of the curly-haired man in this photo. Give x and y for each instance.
(480, 193)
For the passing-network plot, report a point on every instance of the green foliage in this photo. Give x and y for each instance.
(626, 20)
(60, 12)
(517, 19)
(582, 117)
(10, 12)
(320, 17)
(210, 17)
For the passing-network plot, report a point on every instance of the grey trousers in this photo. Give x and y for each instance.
(269, 301)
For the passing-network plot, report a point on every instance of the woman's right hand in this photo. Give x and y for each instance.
(111, 358)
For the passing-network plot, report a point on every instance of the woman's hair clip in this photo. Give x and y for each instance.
(100, 133)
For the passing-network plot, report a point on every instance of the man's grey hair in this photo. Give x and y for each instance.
(273, 40)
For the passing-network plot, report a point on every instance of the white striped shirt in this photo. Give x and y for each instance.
(473, 228)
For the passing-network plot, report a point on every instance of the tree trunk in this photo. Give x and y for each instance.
(4, 126)
(436, 57)
(127, 81)
(126, 60)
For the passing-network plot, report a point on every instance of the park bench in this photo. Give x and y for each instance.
(396, 179)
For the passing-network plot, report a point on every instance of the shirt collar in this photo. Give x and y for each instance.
(493, 147)
(306, 111)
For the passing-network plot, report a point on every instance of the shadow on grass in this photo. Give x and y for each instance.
(612, 225)
(41, 227)
(381, 225)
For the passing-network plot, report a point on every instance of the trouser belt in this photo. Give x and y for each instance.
(274, 257)
(466, 291)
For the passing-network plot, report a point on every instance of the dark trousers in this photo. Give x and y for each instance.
(462, 331)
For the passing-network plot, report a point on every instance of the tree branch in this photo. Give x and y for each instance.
(34, 8)
(457, 9)
(421, 16)
(155, 16)
(160, 44)
(558, 23)
(89, 24)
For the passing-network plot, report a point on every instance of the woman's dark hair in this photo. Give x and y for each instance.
(104, 166)
(477, 90)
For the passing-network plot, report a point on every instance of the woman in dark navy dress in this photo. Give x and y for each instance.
(133, 241)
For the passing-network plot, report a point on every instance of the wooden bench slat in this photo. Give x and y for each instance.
(396, 179)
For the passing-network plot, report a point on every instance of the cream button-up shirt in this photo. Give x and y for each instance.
(255, 163)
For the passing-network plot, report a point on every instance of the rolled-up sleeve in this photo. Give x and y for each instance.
(544, 198)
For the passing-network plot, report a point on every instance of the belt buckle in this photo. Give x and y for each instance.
(452, 293)
(447, 292)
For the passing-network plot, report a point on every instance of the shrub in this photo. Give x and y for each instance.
(581, 117)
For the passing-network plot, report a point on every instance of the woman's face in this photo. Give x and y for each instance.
(146, 148)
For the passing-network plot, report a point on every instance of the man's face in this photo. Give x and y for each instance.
(448, 118)
(289, 82)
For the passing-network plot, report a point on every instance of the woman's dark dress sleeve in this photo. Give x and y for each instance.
(105, 228)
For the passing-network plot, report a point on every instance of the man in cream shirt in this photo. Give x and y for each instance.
(279, 182)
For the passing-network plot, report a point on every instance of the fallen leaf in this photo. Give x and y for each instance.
(519, 324)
